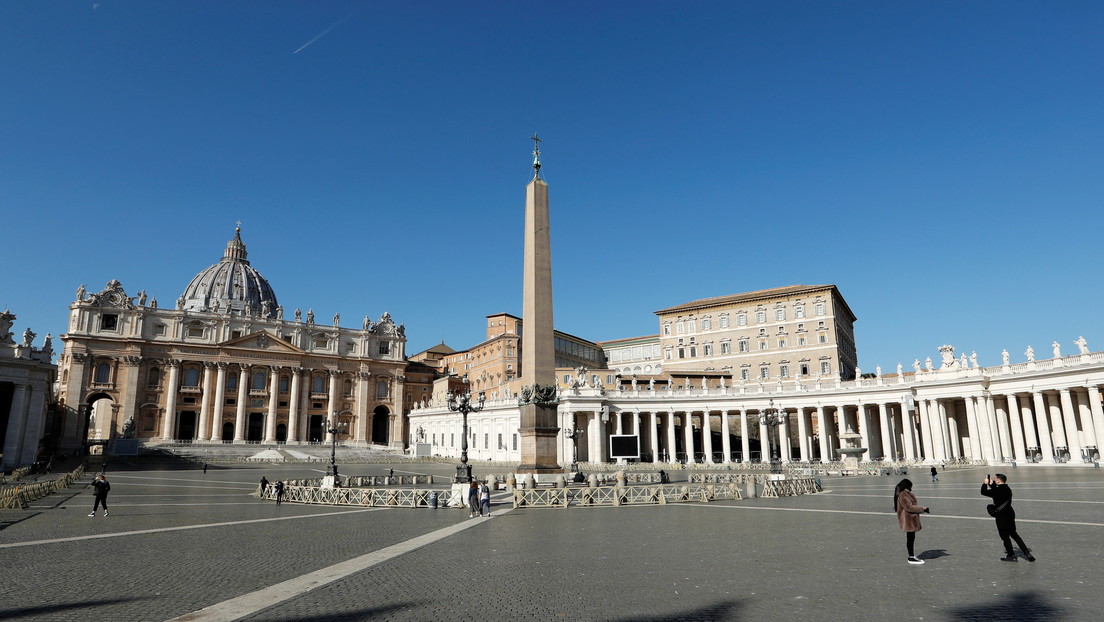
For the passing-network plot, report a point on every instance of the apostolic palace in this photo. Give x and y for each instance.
(725, 379)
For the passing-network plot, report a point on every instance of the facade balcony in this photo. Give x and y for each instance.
(258, 393)
(102, 386)
(191, 390)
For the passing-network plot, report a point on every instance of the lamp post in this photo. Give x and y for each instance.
(463, 404)
(773, 418)
(574, 434)
(335, 428)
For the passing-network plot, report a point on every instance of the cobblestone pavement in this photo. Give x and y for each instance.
(178, 541)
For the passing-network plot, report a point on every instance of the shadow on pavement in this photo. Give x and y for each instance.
(4, 524)
(1020, 607)
(34, 612)
(934, 554)
(724, 611)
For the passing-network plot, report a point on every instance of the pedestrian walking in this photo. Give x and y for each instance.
(934, 473)
(279, 488)
(205, 468)
(473, 498)
(484, 499)
(908, 516)
(100, 487)
(264, 486)
(997, 488)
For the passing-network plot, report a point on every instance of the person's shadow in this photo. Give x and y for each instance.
(934, 554)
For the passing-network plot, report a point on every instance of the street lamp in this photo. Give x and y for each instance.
(574, 434)
(463, 404)
(773, 418)
(335, 428)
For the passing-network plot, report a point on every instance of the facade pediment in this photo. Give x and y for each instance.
(262, 340)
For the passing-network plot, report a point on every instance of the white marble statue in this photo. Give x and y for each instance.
(1030, 353)
(901, 369)
(916, 366)
(1057, 350)
(1004, 357)
(928, 364)
(973, 359)
(1082, 345)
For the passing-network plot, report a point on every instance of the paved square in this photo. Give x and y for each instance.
(179, 543)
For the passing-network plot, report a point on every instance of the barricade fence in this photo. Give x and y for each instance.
(362, 497)
(17, 497)
(624, 495)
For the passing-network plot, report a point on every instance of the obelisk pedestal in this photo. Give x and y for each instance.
(539, 434)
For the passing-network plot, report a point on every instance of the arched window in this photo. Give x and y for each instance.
(191, 377)
(103, 373)
(258, 380)
(318, 384)
(232, 381)
(381, 389)
(348, 387)
(283, 384)
(154, 379)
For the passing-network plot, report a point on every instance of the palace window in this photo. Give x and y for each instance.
(779, 314)
(724, 321)
(693, 351)
(381, 389)
(760, 317)
(682, 353)
(154, 378)
(764, 372)
(385, 347)
(804, 369)
(822, 338)
(318, 384)
(784, 371)
(159, 330)
(191, 377)
(818, 308)
(745, 374)
(801, 340)
(259, 380)
(109, 321)
(762, 344)
(692, 326)
(726, 347)
(707, 324)
(707, 350)
(799, 311)
(195, 329)
(666, 329)
(103, 373)
(321, 343)
(283, 384)
(744, 345)
(825, 367)
(741, 319)
(781, 343)
(231, 381)
(680, 327)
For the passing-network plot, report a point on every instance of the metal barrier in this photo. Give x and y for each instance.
(624, 495)
(17, 497)
(788, 487)
(361, 497)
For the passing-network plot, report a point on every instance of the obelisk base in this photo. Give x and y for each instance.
(539, 434)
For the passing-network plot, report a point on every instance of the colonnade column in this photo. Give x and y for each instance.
(1088, 428)
(205, 404)
(822, 425)
(862, 419)
(1058, 427)
(16, 433)
(887, 439)
(688, 435)
(331, 405)
(1046, 445)
(653, 435)
(1003, 440)
(220, 401)
(928, 448)
(764, 440)
(168, 428)
(1069, 417)
(1097, 415)
(908, 431)
(594, 438)
(243, 393)
(1016, 432)
(726, 441)
(1028, 421)
(784, 446)
(803, 434)
(976, 448)
(949, 437)
(273, 397)
(293, 406)
(745, 442)
(707, 436)
(671, 457)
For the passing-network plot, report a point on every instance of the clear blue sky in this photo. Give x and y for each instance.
(940, 162)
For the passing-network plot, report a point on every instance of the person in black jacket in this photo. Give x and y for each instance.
(997, 488)
(101, 487)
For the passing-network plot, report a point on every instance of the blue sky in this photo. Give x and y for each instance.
(939, 162)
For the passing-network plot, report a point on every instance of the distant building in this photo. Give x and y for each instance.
(27, 376)
(223, 364)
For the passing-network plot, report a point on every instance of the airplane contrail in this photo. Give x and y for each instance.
(326, 31)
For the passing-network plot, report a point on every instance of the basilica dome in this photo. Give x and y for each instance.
(230, 286)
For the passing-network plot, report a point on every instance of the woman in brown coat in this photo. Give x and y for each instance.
(908, 516)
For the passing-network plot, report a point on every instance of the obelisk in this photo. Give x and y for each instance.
(538, 402)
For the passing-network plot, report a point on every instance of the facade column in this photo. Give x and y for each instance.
(653, 435)
(1016, 431)
(293, 406)
(887, 440)
(168, 427)
(220, 401)
(331, 409)
(304, 399)
(243, 395)
(205, 404)
(1097, 415)
(908, 431)
(131, 400)
(594, 438)
(1046, 444)
(273, 399)
(803, 434)
(726, 440)
(1069, 417)
(671, 445)
(360, 406)
(688, 435)
(745, 442)
(707, 436)
(822, 426)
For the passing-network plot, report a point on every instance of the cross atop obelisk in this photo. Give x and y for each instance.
(536, 155)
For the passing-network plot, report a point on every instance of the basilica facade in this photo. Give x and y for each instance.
(222, 364)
